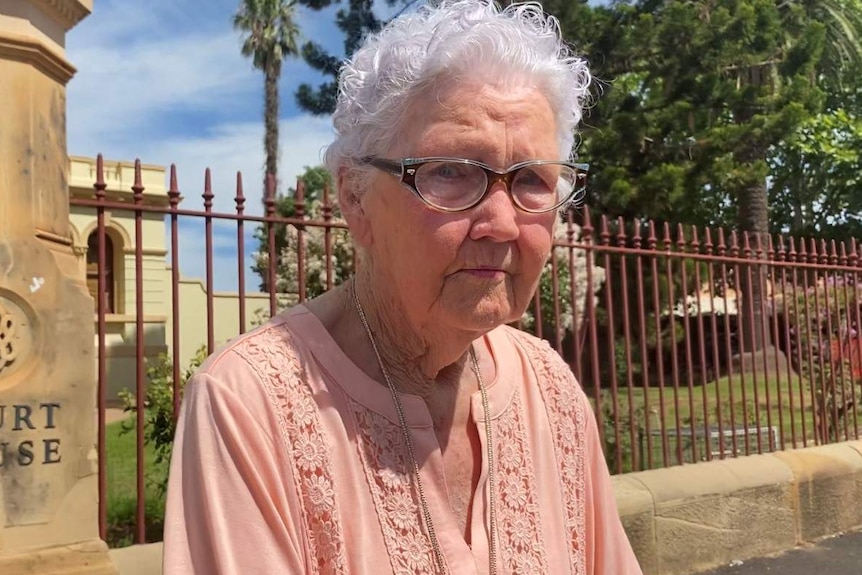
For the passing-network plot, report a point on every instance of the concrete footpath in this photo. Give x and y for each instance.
(138, 559)
(839, 555)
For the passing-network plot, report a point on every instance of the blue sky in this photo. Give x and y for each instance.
(164, 81)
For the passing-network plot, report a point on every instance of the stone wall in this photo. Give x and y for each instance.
(685, 520)
(48, 433)
(688, 519)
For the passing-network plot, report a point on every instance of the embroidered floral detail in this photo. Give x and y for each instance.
(566, 414)
(385, 460)
(527, 564)
(518, 522)
(400, 507)
(271, 355)
(309, 453)
(320, 492)
(303, 414)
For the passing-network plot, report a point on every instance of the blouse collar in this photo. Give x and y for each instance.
(375, 396)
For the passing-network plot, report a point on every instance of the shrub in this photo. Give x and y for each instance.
(824, 345)
(314, 239)
(569, 324)
(159, 423)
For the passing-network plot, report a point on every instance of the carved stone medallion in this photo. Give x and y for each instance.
(16, 335)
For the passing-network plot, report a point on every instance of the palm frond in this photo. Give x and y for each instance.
(842, 20)
(269, 31)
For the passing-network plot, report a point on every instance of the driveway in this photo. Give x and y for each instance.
(840, 555)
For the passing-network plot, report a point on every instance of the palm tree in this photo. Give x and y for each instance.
(842, 49)
(270, 36)
(842, 20)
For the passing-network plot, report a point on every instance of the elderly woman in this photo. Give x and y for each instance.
(396, 424)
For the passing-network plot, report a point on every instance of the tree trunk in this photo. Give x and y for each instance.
(270, 120)
(754, 219)
(270, 138)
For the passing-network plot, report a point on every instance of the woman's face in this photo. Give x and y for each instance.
(476, 269)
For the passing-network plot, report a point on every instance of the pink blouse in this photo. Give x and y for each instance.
(288, 459)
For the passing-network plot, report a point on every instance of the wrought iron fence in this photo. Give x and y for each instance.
(692, 344)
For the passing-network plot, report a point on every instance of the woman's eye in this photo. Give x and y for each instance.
(532, 179)
(448, 171)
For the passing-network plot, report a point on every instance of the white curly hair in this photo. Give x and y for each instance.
(453, 39)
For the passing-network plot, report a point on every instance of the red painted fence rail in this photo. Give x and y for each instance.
(692, 344)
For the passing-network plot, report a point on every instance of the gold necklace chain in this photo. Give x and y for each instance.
(408, 439)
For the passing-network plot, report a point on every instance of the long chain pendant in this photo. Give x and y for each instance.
(408, 440)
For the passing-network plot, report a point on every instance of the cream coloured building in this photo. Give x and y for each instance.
(156, 274)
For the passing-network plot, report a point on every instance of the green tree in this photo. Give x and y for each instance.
(269, 36)
(638, 136)
(842, 20)
(707, 112)
(355, 21)
(817, 177)
(792, 54)
(315, 180)
(697, 96)
(693, 96)
(159, 415)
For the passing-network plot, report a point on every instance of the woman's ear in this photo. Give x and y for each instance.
(350, 200)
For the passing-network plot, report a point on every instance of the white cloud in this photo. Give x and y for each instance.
(232, 148)
(148, 72)
(117, 91)
(182, 93)
(164, 81)
(110, 106)
(135, 62)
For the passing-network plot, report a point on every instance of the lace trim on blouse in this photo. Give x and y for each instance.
(383, 454)
(519, 527)
(270, 354)
(380, 445)
(568, 421)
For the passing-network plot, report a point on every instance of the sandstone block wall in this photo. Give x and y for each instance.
(686, 519)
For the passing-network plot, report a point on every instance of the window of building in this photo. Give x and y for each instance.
(93, 271)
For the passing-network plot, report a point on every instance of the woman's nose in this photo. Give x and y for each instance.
(496, 216)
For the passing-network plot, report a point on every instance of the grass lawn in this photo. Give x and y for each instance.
(122, 491)
(664, 406)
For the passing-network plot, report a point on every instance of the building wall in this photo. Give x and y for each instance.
(193, 314)
(121, 326)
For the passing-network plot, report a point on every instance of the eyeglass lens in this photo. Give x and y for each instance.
(453, 184)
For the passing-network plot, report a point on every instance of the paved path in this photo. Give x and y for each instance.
(140, 559)
(113, 414)
(841, 555)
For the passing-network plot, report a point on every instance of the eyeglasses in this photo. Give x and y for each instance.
(455, 184)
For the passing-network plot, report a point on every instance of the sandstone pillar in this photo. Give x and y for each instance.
(48, 467)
